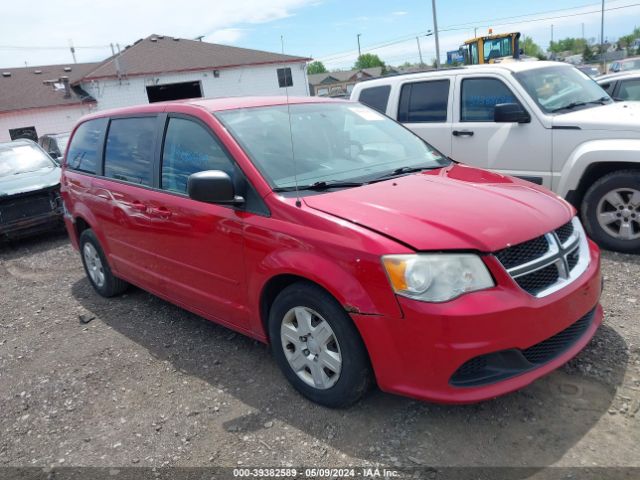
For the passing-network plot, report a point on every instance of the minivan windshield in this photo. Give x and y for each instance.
(562, 89)
(18, 158)
(333, 144)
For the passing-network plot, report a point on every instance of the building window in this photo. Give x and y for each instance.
(284, 77)
(174, 91)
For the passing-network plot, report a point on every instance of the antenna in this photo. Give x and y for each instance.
(293, 153)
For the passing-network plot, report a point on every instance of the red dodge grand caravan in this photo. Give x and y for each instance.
(330, 231)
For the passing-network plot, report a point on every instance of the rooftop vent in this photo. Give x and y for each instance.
(37, 72)
(176, 39)
(153, 39)
(6, 74)
(67, 69)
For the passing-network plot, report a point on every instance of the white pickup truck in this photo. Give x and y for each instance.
(546, 122)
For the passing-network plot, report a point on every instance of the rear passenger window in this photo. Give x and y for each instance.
(480, 97)
(376, 97)
(190, 148)
(629, 90)
(424, 102)
(128, 155)
(84, 152)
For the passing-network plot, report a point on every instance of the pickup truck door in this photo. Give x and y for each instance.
(425, 107)
(519, 149)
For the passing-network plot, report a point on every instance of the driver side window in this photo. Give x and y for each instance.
(480, 97)
(189, 148)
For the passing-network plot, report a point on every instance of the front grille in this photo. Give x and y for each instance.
(523, 252)
(537, 281)
(542, 265)
(20, 208)
(573, 258)
(496, 366)
(564, 232)
(551, 347)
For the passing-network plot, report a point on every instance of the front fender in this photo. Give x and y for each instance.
(592, 152)
(340, 280)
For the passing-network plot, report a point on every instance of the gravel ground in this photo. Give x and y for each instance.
(144, 383)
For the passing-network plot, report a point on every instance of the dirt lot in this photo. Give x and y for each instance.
(147, 384)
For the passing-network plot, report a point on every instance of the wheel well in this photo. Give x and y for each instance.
(592, 174)
(272, 289)
(80, 226)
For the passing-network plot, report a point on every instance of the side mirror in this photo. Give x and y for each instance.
(510, 113)
(212, 186)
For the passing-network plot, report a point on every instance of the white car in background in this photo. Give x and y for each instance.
(623, 86)
(546, 122)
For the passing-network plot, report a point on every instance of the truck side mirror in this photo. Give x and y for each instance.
(510, 113)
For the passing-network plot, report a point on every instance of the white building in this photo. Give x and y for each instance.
(153, 69)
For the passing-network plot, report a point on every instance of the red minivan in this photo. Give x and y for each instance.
(360, 253)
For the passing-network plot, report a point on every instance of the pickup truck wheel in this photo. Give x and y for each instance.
(317, 346)
(96, 267)
(611, 211)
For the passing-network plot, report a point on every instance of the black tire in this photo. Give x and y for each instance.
(355, 377)
(621, 179)
(112, 285)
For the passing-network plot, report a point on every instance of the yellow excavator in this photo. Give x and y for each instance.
(491, 48)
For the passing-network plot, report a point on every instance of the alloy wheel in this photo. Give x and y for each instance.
(618, 213)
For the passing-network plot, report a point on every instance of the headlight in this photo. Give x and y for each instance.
(436, 277)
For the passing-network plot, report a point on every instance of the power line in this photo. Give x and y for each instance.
(458, 27)
(23, 47)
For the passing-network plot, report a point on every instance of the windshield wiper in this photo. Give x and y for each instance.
(323, 185)
(572, 105)
(402, 171)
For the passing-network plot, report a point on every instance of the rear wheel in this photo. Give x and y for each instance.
(97, 268)
(317, 346)
(611, 211)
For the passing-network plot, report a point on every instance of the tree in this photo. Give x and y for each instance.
(588, 55)
(569, 44)
(531, 49)
(368, 60)
(316, 67)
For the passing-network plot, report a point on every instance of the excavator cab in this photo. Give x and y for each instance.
(492, 48)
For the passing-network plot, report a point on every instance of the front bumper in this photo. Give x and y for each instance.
(418, 355)
(31, 225)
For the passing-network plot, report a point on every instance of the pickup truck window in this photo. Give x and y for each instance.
(480, 97)
(376, 97)
(424, 102)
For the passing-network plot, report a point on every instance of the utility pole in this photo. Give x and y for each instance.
(73, 51)
(602, 49)
(552, 33)
(475, 32)
(419, 51)
(582, 30)
(359, 52)
(435, 31)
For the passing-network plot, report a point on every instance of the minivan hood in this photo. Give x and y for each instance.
(29, 181)
(614, 116)
(452, 208)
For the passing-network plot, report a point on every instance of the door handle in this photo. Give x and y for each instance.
(139, 206)
(462, 133)
(162, 212)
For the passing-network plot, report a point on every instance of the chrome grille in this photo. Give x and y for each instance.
(545, 264)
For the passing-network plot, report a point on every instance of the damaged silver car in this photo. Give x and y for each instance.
(29, 190)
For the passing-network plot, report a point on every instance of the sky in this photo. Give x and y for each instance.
(322, 29)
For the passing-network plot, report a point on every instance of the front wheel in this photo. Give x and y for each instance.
(611, 211)
(317, 346)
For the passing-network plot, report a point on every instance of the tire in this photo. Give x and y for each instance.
(354, 378)
(622, 187)
(96, 266)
